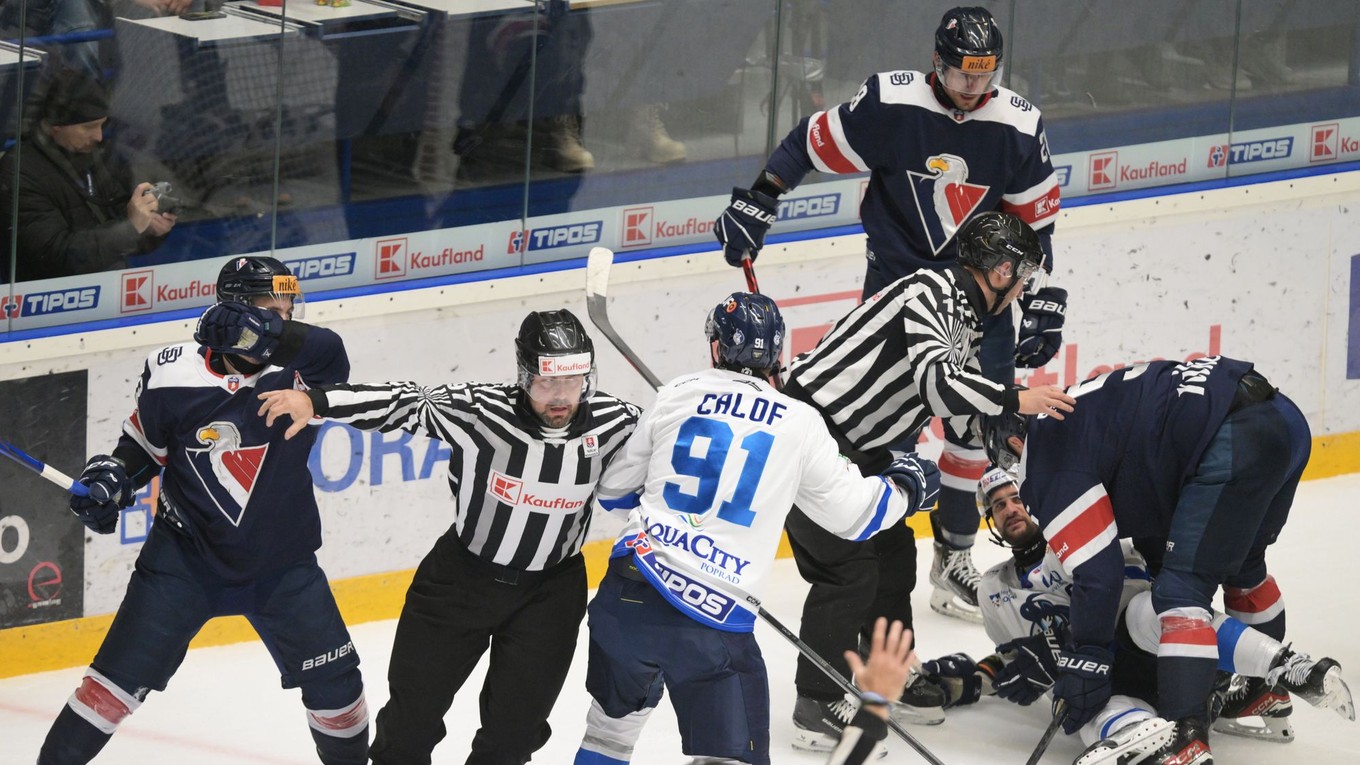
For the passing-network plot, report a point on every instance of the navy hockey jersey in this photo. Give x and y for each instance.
(932, 167)
(240, 491)
(1114, 469)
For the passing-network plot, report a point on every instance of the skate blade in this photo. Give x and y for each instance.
(1275, 730)
(808, 741)
(1336, 695)
(1150, 736)
(946, 603)
(906, 714)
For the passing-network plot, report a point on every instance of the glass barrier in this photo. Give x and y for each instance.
(372, 143)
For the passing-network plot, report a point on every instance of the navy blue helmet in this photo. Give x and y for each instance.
(749, 332)
(994, 431)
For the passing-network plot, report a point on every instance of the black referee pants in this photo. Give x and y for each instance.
(457, 607)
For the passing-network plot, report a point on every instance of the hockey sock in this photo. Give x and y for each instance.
(1242, 649)
(955, 522)
(88, 720)
(1187, 660)
(609, 740)
(341, 735)
(1260, 607)
(1119, 713)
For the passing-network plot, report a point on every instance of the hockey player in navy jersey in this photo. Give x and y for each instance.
(1026, 602)
(1205, 455)
(236, 528)
(940, 147)
(705, 483)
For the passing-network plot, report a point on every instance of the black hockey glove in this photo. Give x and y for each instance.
(1041, 325)
(742, 227)
(110, 492)
(1031, 669)
(958, 675)
(1084, 683)
(240, 329)
(917, 476)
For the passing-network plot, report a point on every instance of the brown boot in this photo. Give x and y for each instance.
(647, 134)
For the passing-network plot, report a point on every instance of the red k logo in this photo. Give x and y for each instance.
(1102, 171)
(136, 293)
(504, 488)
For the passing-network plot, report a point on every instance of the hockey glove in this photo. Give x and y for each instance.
(917, 476)
(1084, 683)
(1041, 324)
(1032, 667)
(110, 492)
(742, 227)
(241, 329)
(958, 675)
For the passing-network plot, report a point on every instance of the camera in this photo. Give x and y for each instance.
(164, 194)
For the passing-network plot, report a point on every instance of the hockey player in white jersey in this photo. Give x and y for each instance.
(941, 147)
(706, 482)
(1025, 604)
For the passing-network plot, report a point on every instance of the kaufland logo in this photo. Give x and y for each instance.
(137, 291)
(43, 303)
(809, 207)
(323, 267)
(560, 366)
(1103, 171)
(637, 227)
(551, 237)
(504, 488)
(389, 258)
(1328, 144)
(1250, 151)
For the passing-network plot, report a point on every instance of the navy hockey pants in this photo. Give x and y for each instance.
(1228, 513)
(639, 643)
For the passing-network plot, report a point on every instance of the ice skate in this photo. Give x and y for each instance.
(956, 584)
(922, 702)
(1317, 682)
(1253, 697)
(818, 724)
(1130, 744)
(1189, 745)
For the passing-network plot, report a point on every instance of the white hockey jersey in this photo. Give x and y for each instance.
(707, 479)
(1017, 604)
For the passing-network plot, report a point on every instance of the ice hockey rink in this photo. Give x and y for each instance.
(225, 706)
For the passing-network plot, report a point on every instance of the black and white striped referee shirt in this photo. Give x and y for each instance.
(523, 495)
(905, 355)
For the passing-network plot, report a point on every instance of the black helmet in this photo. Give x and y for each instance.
(968, 52)
(994, 432)
(554, 344)
(998, 241)
(749, 331)
(247, 277)
(968, 39)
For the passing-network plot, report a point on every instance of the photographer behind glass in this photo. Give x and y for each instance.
(79, 211)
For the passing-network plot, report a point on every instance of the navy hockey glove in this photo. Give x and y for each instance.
(958, 675)
(742, 227)
(917, 476)
(110, 492)
(1041, 324)
(1084, 683)
(1031, 669)
(241, 329)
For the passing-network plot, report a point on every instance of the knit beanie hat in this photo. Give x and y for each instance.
(74, 98)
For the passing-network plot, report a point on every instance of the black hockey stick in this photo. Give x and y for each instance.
(597, 282)
(1059, 714)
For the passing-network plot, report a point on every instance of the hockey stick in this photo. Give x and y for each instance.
(1059, 714)
(46, 471)
(748, 267)
(598, 264)
(597, 282)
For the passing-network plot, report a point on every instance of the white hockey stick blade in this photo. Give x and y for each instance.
(598, 264)
(43, 469)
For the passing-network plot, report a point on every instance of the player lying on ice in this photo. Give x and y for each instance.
(1025, 606)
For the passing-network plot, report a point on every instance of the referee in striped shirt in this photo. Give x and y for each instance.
(509, 573)
(908, 353)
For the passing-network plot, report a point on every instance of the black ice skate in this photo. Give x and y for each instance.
(1189, 746)
(1317, 682)
(818, 724)
(1130, 744)
(922, 702)
(1254, 697)
(956, 584)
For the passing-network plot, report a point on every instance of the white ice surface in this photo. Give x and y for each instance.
(225, 707)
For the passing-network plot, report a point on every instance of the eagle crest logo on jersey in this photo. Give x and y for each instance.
(226, 468)
(944, 197)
